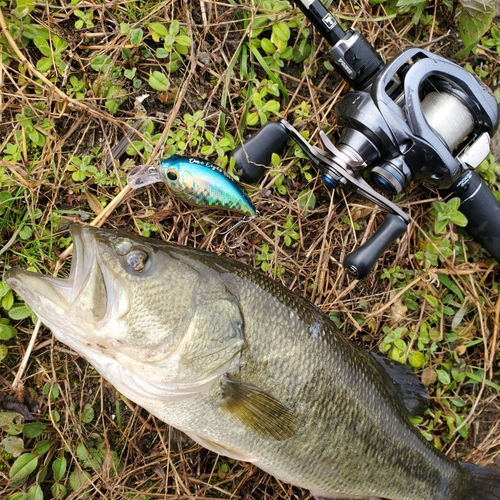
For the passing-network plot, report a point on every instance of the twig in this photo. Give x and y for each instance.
(494, 337)
(77, 103)
(47, 83)
(120, 148)
(11, 241)
(397, 296)
(1, 82)
(97, 222)
(203, 11)
(469, 417)
(16, 385)
(322, 264)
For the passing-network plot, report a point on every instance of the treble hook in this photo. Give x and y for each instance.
(245, 220)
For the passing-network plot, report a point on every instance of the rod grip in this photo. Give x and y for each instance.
(254, 155)
(360, 262)
(482, 210)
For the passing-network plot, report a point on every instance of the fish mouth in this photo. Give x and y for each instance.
(83, 295)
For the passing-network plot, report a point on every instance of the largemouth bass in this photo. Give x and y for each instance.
(246, 368)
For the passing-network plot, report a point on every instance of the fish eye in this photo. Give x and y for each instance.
(172, 175)
(137, 260)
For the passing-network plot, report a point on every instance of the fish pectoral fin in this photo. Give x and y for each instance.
(258, 410)
(409, 390)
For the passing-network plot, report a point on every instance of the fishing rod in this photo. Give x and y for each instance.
(419, 117)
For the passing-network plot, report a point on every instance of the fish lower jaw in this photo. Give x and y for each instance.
(143, 383)
(39, 291)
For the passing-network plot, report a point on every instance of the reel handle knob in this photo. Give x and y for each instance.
(360, 262)
(254, 155)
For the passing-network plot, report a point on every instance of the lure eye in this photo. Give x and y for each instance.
(137, 260)
(172, 175)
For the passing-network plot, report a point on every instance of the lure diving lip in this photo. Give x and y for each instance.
(197, 181)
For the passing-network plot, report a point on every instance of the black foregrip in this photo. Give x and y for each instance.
(360, 262)
(482, 210)
(254, 155)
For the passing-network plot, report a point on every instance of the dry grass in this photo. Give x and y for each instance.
(157, 462)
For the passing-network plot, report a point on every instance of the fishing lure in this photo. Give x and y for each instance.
(196, 181)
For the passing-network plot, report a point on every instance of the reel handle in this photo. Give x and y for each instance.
(360, 262)
(254, 155)
(482, 210)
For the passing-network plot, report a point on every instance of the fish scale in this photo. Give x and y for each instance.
(246, 368)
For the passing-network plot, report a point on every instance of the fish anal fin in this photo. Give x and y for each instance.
(221, 449)
(408, 388)
(258, 410)
(344, 498)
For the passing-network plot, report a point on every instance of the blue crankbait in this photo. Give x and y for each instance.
(196, 181)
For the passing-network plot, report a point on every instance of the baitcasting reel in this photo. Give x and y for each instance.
(420, 117)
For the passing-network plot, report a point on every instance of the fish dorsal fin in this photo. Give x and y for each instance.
(258, 410)
(408, 388)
